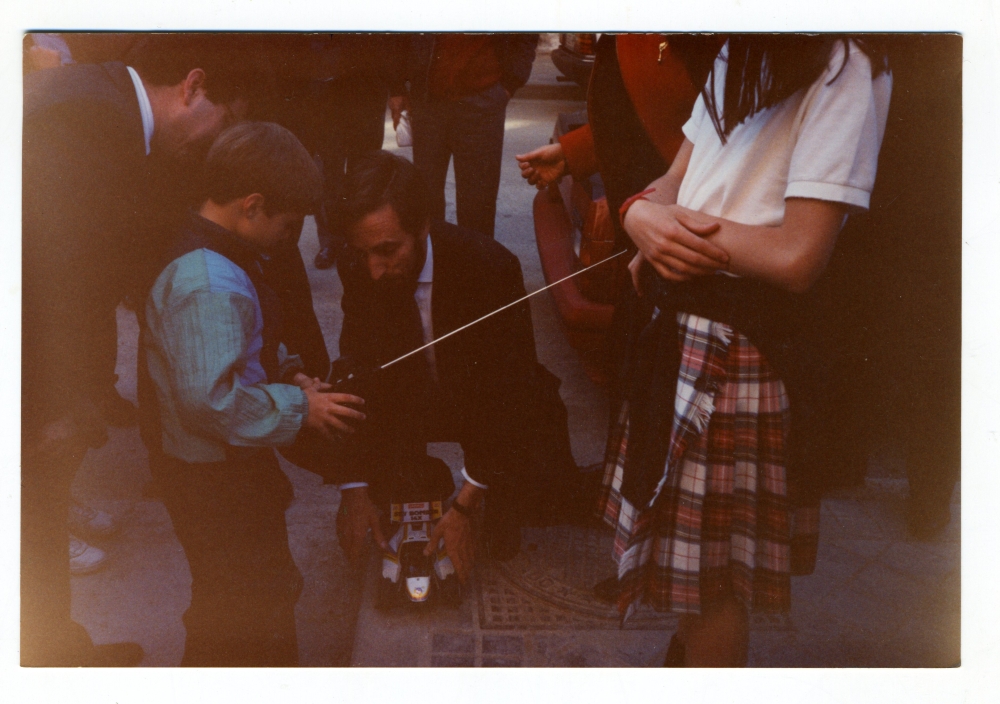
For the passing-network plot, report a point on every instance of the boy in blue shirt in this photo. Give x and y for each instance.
(227, 392)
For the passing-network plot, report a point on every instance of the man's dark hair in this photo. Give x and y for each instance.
(265, 158)
(234, 67)
(381, 179)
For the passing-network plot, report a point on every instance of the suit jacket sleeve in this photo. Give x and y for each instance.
(355, 340)
(356, 460)
(516, 53)
(79, 202)
(498, 419)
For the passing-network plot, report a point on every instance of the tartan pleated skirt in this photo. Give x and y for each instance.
(720, 523)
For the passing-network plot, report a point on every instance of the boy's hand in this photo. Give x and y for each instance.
(356, 516)
(305, 382)
(327, 411)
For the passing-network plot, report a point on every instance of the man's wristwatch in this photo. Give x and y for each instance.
(464, 510)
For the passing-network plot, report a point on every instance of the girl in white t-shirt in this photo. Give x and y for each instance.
(781, 146)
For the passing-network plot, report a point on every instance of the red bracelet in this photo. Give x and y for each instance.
(628, 204)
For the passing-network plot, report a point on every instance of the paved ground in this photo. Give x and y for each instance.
(877, 599)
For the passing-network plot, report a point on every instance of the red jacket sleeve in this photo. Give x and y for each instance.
(578, 148)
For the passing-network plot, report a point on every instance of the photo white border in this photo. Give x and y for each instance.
(975, 680)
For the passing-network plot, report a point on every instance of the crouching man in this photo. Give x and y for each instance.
(226, 392)
(407, 281)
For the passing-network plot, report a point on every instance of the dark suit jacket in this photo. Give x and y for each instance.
(498, 401)
(83, 170)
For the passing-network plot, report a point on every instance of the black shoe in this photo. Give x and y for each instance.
(325, 258)
(675, 653)
(503, 542)
(116, 655)
(607, 590)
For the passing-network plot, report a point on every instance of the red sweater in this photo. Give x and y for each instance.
(462, 64)
(662, 94)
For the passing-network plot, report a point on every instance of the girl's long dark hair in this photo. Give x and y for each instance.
(764, 69)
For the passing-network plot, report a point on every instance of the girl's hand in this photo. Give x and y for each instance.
(543, 166)
(633, 269)
(671, 239)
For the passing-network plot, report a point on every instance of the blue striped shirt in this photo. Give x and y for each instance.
(203, 345)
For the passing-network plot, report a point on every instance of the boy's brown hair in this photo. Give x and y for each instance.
(265, 158)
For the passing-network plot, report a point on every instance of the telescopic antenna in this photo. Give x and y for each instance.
(498, 310)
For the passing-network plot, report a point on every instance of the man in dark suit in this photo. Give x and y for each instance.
(92, 134)
(459, 87)
(409, 280)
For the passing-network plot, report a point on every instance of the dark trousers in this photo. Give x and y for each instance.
(355, 127)
(470, 129)
(49, 637)
(339, 121)
(230, 518)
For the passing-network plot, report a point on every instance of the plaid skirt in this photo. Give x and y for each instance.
(720, 522)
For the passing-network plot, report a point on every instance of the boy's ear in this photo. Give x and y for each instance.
(252, 205)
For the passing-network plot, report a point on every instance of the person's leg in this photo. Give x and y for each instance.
(48, 636)
(933, 459)
(244, 584)
(477, 140)
(355, 127)
(432, 123)
(330, 139)
(718, 637)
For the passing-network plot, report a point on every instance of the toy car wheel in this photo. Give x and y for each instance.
(450, 591)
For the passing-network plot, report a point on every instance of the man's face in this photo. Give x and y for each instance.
(191, 122)
(390, 253)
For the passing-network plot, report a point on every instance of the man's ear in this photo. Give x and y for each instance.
(194, 83)
(252, 205)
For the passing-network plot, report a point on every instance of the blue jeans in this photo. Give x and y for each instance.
(470, 129)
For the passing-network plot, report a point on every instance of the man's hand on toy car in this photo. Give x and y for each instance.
(356, 516)
(455, 529)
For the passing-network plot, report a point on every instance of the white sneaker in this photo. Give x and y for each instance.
(84, 558)
(89, 522)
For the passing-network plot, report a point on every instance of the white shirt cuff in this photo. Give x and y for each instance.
(472, 481)
(851, 196)
(353, 485)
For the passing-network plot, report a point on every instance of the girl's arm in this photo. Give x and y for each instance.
(680, 243)
(672, 239)
(790, 256)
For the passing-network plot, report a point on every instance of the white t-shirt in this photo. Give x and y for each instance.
(822, 142)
